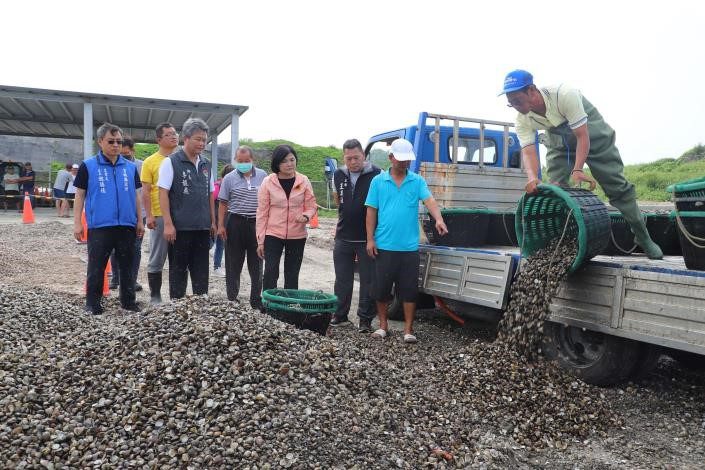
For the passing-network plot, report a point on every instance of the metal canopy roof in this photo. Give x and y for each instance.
(37, 112)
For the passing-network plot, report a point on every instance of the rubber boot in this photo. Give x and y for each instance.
(632, 214)
(155, 287)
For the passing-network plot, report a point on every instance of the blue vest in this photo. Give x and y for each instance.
(111, 194)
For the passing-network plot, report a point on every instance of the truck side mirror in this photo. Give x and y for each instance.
(330, 166)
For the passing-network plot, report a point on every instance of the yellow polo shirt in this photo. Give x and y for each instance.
(150, 174)
(563, 104)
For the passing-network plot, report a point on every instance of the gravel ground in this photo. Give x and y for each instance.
(454, 400)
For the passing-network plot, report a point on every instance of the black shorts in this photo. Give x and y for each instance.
(396, 267)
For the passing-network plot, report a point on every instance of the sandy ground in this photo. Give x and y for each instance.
(663, 417)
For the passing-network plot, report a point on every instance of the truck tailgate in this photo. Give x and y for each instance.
(480, 277)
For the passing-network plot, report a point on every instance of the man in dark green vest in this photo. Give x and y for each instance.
(185, 197)
(576, 134)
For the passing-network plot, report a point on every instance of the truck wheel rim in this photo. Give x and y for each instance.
(581, 348)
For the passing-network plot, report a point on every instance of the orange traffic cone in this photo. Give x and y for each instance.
(84, 234)
(106, 284)
(314, 220)
(27, 212)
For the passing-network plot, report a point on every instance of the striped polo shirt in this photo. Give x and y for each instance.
(240, 192)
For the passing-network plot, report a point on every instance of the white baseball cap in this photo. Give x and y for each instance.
(74, 166)
(402, 150)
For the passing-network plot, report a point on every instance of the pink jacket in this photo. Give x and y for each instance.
(276, 215)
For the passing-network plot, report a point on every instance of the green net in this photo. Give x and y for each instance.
(553, 210)
(299, 301)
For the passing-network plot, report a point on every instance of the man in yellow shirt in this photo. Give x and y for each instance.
(168, 140)
(576, 134)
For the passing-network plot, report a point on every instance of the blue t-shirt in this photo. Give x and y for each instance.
(397, 210)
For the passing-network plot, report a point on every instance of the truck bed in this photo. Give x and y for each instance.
(659, 302)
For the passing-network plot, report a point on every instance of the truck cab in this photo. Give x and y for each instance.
(485, 144)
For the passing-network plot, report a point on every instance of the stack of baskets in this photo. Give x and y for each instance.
(304, 309)
(555, 212)
(689, 198)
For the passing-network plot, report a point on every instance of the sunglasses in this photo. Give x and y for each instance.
(114, 141)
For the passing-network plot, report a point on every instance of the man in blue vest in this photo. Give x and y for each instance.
(108, 183)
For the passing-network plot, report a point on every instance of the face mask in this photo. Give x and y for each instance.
(243, 167)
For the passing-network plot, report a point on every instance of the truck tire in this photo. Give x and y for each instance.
(646, 361)
(688, 360)
(596, 358)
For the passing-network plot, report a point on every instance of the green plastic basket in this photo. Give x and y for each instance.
(301, 301)
(689, 195)
(302, 308)
(542, 217)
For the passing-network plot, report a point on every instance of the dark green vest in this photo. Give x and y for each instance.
(190, 193)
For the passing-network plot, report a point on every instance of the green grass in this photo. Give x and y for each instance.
(143, 151)
(311, 160)
(651, 179)
(328, 213)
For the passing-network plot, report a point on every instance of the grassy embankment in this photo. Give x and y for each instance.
(652, 179)
(311, 161)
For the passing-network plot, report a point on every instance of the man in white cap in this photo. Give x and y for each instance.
(393, 234)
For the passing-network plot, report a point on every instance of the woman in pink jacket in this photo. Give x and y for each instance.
(285, 204)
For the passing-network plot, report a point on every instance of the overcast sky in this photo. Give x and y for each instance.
(318, 73)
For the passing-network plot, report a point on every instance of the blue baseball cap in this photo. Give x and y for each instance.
(516, 80)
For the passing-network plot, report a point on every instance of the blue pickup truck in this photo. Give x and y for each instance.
(625, 307)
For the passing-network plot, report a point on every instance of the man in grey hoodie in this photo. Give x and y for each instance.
(351, 185)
